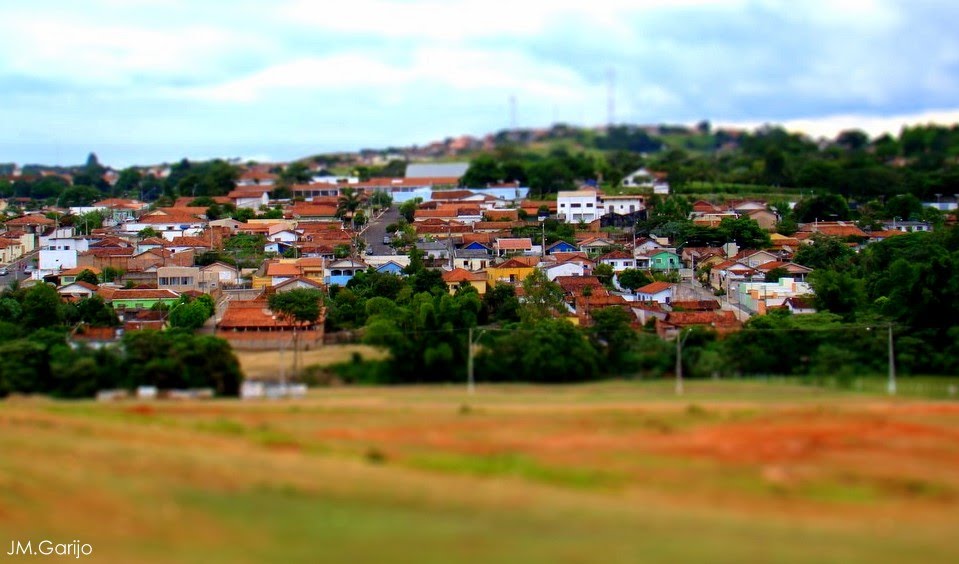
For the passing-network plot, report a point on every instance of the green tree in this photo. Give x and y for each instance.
(632, 278)
(147, 232)
(543, 298)
(301, 307)
(483, 170)
(348, 202)
(42, 307)
(824, 252)
(604, 272)
(88, 276)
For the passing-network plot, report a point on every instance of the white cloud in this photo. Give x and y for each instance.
(830, 126)
(430, 73)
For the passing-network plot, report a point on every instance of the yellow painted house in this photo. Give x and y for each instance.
(513, 270)
(457, 276)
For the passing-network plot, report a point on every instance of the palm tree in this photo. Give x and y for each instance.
(347, 204)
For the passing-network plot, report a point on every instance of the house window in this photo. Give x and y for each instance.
(576, 205)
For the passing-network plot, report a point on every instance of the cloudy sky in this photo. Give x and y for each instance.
(141, 81)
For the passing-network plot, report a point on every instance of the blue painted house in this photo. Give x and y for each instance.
(391, 267)
(561, 247)
(342, 271)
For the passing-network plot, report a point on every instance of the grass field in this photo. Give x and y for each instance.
(265, 365)
(610, 472)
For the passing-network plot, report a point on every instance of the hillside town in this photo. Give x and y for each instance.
(142, 258)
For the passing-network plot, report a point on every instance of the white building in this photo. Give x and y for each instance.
(579, 205)
(757, 297)
(58, 252)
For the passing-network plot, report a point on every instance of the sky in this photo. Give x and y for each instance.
(143, 82)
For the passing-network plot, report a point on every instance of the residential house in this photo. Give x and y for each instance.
(512, 271)
(800, 305)
(565, 268)
(391, 267)
(458, 276)
(593, 246)
(224, 274)
(664, 260)
(75, 291)
(507, 246)
(470, 258)
(137, 298)
(907, 226)
(759, 297)
(722, 322)
(250, 197)
(766, 219)
(186, 278)
(298, 283)
(561, 247)
(659, 292)
(342, 271)
(619, 260)
(579, 205)
(250, 325)
(795, 271)
(724, 275)
(695, 305)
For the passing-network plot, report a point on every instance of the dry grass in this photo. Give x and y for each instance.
(267, 364)
(612, 472)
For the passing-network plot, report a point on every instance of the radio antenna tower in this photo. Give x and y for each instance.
(610, 96)
(512, 112)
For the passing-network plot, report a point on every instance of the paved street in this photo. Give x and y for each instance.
(374, 232)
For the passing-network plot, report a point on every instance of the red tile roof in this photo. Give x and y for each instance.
(514, 244)
(654, 288)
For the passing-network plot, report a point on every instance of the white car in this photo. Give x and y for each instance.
(4, 271)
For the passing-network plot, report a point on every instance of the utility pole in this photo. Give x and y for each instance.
(892, 366)
(470, 388)
(680, 339)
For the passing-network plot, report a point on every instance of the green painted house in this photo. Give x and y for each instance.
(135, 298)
(664, 260)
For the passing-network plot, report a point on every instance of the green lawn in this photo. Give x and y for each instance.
(610, 472)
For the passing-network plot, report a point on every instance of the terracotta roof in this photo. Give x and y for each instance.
(169, 218)
(576, 256)
(647, 305)
(108, 252)
(800, 302)
(298, 281)
(77, 270)
(497, 225)
(695, 305)
(716, 318)
(513, 263)
(655, 288)
(440, 195)
(514, 244)
(82, 284)
(502, 215)
(283, 269)
(485, 239)
(886, 234)
(575, 284)
(189, 242)
(615, 255)
(301, 209)
(462, 275)
(143, 294)
(33, 219)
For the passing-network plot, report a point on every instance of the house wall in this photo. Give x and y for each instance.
(507, 274)
(574, 207)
